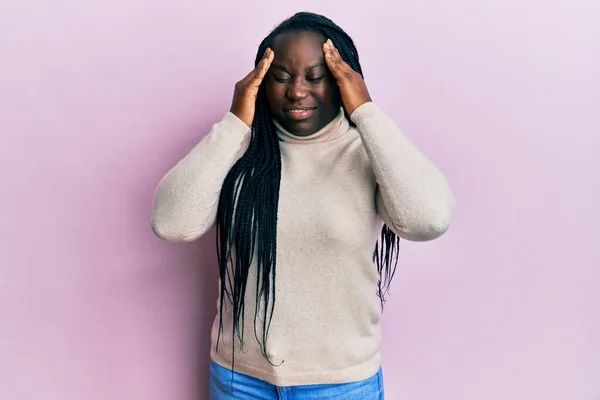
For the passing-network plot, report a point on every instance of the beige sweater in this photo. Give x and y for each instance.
(336, 188)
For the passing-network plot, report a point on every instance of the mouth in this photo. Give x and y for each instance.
(299, 113)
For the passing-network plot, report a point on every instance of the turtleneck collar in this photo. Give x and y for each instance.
(333, 130)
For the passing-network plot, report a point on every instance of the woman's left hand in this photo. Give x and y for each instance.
(352, 86)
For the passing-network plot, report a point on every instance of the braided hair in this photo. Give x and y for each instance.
(248, 202)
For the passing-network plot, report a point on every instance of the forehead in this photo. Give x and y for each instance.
(298, 47)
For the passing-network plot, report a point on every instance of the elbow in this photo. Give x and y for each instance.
(429, 225)
(438, 227)
(177, 230)
(162, 231)
(440, 220)
(167, 224)
(165, 231)
(425, 232)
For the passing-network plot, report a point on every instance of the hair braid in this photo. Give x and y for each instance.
(248, 202)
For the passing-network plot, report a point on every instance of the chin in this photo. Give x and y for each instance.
(301, 129)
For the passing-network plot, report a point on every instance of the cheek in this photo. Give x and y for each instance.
(330, 94)
(274, 94)
(272, 97)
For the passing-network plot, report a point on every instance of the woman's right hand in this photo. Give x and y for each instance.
(246, 90)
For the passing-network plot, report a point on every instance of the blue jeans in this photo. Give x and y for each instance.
(248, 388)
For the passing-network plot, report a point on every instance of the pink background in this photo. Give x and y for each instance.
(98, 99)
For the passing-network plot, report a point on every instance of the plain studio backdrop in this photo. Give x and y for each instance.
(98, 99)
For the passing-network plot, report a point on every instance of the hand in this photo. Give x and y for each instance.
(246, 90)
(352, 86)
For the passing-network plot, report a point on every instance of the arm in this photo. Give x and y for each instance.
(186, 200)
(413, 197)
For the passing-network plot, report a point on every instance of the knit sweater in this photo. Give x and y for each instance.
(338, 186)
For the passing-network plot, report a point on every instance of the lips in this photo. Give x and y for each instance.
(299, 113)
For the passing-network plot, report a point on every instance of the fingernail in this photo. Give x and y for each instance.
(330, 43)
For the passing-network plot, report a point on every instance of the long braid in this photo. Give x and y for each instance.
(248, 202)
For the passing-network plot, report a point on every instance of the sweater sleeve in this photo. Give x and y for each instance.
(187, 197)
(413, 197)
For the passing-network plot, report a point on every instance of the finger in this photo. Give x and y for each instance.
(252, 74)
(334, 60)
(261, 68)
(264, 66)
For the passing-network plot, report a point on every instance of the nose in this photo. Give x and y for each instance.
(297, 90)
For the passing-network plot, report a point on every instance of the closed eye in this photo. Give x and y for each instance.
(282, 79)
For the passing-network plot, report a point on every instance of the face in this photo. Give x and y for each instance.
(303, 95)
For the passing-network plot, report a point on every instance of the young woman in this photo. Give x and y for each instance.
(310, 185)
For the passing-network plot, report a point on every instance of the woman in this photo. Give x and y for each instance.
(301, 177)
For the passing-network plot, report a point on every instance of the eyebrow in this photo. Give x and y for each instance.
(281, 67)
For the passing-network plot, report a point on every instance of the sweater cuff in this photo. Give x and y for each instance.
(365, 112)
(233, 124)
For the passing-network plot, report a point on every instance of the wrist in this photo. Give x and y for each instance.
(358, 104)
(365, 112)
(241, 116)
